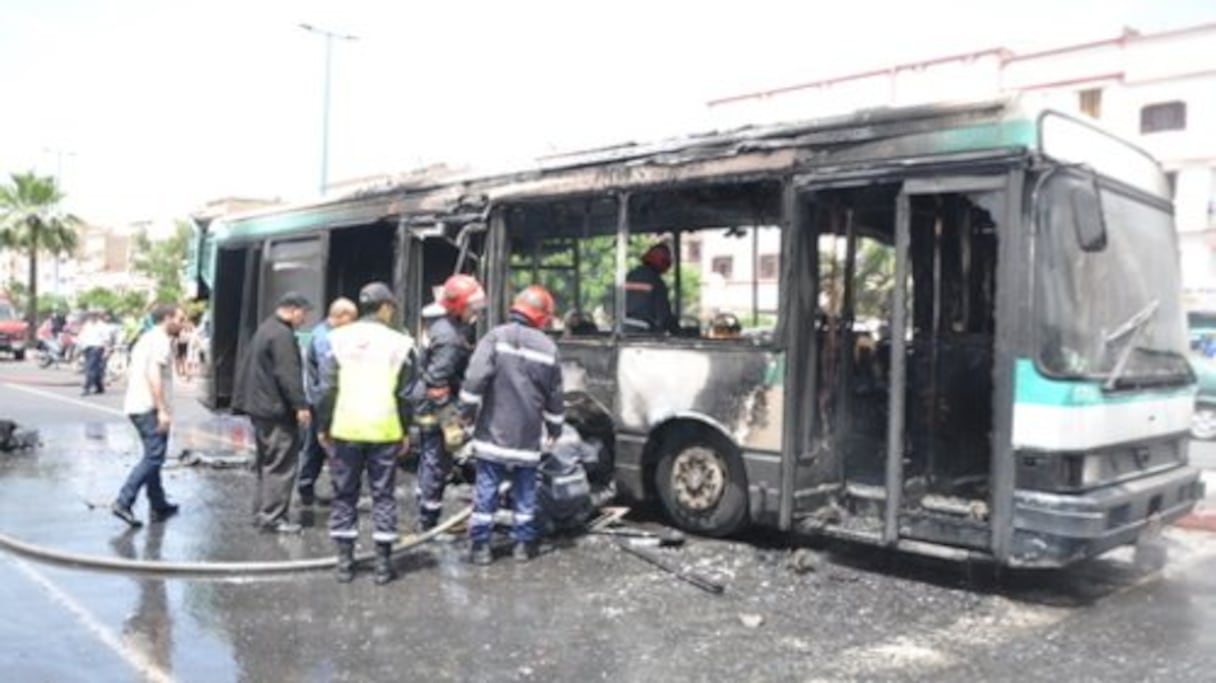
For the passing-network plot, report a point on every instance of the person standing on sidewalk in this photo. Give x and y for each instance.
(514, 383)
(94, 336)
(441, 367)
(270, 390)
(341, 312)
(364, 423)
(147, 402)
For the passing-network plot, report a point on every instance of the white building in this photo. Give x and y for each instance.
(1157, 90)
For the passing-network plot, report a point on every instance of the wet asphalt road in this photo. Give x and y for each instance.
(583, 611)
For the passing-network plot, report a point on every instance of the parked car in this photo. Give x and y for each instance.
(13, 330)
(1203, 422)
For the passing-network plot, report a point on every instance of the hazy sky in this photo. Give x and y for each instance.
(157, 106)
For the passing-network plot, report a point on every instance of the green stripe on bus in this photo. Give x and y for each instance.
(1031, 387)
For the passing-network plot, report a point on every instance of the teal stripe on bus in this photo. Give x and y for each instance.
(1030, 387)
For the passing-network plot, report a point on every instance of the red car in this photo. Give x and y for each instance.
(13, 330)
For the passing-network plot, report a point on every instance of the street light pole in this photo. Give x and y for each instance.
(329, 50)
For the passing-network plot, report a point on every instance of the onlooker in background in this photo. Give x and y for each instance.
(93, 339)
(270, 389)
(148, 401)
(181, 350)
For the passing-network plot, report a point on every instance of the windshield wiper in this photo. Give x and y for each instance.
(1132, 327)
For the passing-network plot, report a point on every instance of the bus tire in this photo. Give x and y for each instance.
(19, 355)
(703, 486)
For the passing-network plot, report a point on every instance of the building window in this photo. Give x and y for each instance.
(768, 266)
(1164, 116)
(1091, 102)
(722, 265)
(692, 251)
(1171, 179)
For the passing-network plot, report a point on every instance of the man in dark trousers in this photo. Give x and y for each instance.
(647, 307)
(364, 423)
(342, 312)
(514, 382)
(270, 389)
(442, 366)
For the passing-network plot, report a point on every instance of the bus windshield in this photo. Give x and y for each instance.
(1112, 312)
(7, 312)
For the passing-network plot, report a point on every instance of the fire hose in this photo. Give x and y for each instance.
(211, 569)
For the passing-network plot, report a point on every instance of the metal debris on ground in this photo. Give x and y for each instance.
(751, 620)
(802, 561)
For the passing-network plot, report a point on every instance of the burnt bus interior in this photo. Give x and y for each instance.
(570, 247)
(250, 277)
(949, 354)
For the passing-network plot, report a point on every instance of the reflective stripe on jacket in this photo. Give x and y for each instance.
(516, 379)
(366, 377)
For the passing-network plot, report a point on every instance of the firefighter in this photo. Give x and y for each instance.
(647, 307)
(364, 420)
(441, 367)
(514, 384)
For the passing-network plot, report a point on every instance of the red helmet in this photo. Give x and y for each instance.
(460, 293)
(658, 257)
(536, 304)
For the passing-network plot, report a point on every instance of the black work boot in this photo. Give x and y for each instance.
(384, 564)
(346, 562)
(479, 554)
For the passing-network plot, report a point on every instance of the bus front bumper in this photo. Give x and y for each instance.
(1053, 529)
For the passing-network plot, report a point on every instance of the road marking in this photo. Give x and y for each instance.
(192, 433)
(64, 399)
(135, 658)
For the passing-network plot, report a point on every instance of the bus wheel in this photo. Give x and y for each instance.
(703, 487)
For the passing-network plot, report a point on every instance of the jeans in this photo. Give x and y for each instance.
(485, 501)
(94, 369)
(434, 466)
(146, 472)
(346, 469)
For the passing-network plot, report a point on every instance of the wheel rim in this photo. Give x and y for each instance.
(1203, 424)
(698, 477)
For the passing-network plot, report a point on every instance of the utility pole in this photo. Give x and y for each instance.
(329, 36)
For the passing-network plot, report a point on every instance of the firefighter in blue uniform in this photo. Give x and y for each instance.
(514, 383)
(441, 367)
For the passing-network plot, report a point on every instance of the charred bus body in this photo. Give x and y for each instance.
(963, 328)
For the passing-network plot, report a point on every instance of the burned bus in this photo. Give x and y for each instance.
(959, 331)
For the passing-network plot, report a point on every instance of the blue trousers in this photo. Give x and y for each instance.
(94, 369)
(434, 466)
(485, 500)
(146, 473)
(346, 469)
(312, 460)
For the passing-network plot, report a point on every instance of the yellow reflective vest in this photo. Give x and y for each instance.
(372, 360)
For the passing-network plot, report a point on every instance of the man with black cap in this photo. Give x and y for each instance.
(364, 424)
(270, 389)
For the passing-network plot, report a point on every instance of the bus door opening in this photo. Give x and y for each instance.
(933, 460)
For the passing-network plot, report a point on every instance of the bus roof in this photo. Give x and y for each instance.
(992, 127)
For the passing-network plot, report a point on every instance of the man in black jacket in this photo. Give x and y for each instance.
(647, 307)
(442, 366)
(270, 389)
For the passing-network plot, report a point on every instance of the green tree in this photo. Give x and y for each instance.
(164, 260)
(31, 221)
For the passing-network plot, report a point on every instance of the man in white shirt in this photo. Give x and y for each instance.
(94, 336)
(147, 403)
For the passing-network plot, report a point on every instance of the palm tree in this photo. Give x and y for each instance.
(30, 221)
